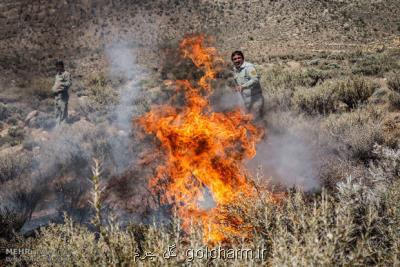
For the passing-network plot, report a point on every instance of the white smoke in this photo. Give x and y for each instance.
(289, 160)
(123, 65)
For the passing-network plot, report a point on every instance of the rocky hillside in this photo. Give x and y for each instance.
(37, 32)
(330, 73)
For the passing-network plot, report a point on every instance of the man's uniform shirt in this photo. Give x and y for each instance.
(62, 83)
(246, 76)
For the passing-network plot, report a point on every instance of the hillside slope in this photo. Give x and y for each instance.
(37, 32)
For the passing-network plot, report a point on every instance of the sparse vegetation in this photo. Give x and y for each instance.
(329, 73)
(352, 226)
(100, 97)
(41, 88)
(373, 64)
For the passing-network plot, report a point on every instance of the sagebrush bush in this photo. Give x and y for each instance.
(354, 90)
(40, 88)
(279, 83)
(15, 135)
(354, 226)
(13, 166)
(394, 100)
(319, 99)
(393, 81)
(325, 98)
(101, 96)
(373, 64)
(356, 132)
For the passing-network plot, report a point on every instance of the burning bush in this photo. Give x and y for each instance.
(204, 150)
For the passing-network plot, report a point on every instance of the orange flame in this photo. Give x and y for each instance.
(204, 151)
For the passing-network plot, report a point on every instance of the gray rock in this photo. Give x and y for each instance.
(31, 115)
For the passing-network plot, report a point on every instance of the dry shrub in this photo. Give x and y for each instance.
(101, 95)
(40, 87)
(356, 225)
(4, 112)
(16, 209)
(279, 84)
(18, 199)
(324, 98)
(15, 136)
(354, 90)
(394, 100)
(355, 132)
(11, 221)
(13, 166)
(100, 90)
(319, 99)
(376, 64)
(393, 81)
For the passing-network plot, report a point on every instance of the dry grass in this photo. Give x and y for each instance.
(101, 97)
(357, 224)
(38, 87)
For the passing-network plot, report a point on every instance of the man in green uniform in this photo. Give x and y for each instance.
(248, 84)
(60, 89)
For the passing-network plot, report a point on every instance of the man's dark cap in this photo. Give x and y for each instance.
(59, 63)
(237, 52)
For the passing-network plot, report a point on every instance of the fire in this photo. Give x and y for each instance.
(204, 151)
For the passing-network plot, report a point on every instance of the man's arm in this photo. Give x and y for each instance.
(64, 83)
(252, 73)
